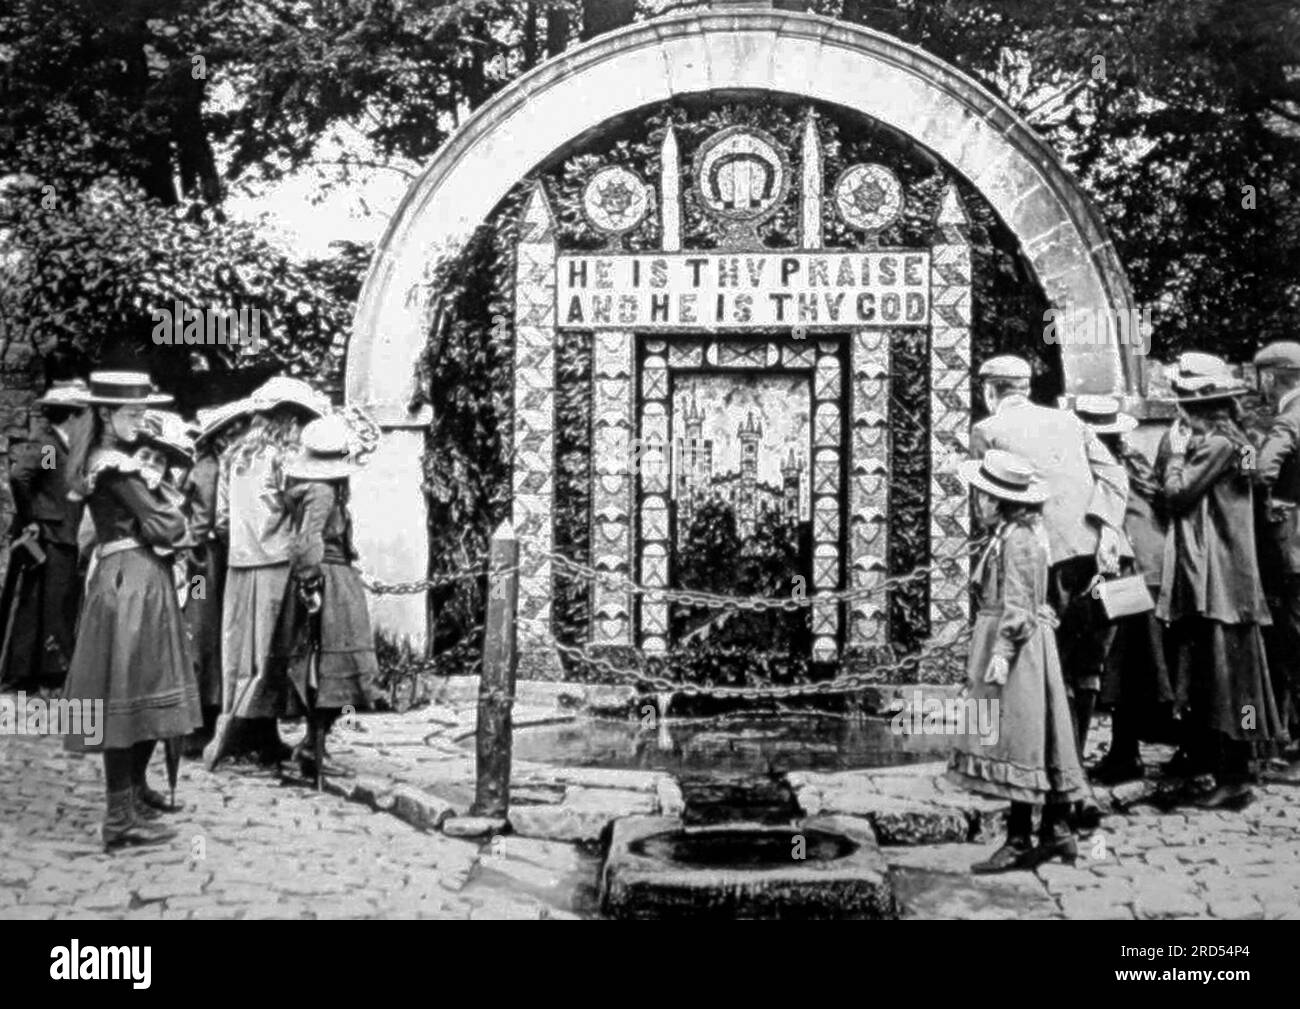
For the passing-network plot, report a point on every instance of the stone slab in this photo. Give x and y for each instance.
(473, 826)
(635, 885)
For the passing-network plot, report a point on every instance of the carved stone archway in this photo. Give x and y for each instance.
(942, 109)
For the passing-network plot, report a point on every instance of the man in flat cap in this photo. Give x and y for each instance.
(1277, 474)
(1084, 515)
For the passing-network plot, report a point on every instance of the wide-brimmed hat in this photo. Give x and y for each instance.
(325, 452)
(70, 394)
(167, 432)
(211, 420)
(1101, 413)
(124, 388)
(1201, 378)
(1004, 475)
(1283, 354)
(282, 390)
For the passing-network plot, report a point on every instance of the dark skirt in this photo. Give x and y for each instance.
(203, 617)
(131, 654)
(1221, 681)
(1083, 635)
(45, 618)
(341, 672)
(1137, 677)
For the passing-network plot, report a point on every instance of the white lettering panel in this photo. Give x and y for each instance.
(713, 291)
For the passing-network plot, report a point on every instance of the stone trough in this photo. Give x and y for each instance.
(820, 867)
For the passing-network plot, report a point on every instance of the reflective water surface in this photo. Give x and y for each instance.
(733, 743)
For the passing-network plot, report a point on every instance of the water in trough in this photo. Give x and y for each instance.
(731, 744)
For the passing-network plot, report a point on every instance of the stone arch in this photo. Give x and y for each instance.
(942, 109)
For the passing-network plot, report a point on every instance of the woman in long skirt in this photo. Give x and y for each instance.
(1136, 684)
(253, 522)
(130, 656)
(1032, 759)
(1211, 595)
(324, 656)
(219, 428)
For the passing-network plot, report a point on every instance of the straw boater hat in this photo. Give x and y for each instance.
(325, 453)
(1201, 378)
(167, 432)
(1005, 475)
(283, 390)
(123, 388)
(211, 420)
(1283, 354)
(1101, 413)
(70, 395)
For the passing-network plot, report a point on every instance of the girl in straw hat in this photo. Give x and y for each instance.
(1031, 758)
(1210, 593)
(130, 653)
(324, 656)
(253, 522)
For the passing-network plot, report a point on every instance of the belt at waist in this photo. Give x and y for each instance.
(117, 547)
(1044, 614)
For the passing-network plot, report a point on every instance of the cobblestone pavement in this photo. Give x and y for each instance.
(254, 845)
(250, 846)
(1140, 864)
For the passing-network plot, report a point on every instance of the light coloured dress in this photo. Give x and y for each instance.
(1032, 757)
(253, 521)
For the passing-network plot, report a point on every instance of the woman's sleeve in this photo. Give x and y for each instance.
(308, 549)
(161, 524)
(1141, 475)
(1187, 477)
(1021, 556)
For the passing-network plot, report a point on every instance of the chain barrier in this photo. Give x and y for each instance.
(382, 588)
(648, 681)
(761, 604)
(845, 682)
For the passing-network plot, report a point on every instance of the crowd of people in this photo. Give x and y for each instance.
(1168, 589)
(196, 578)
(193, 578)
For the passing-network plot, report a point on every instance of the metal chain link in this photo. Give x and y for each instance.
(382, 588)
(842, 683)
(760, 604)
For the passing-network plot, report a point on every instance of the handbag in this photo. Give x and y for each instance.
(1122, 597)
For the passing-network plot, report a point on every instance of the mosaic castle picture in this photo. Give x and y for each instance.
(744, 441)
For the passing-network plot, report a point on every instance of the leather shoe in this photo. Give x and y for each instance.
(1012, 855)
(1287, 774)
(1062, 846)
(1085, 816)
(276, 752)
(155, 800)
(1115, 771)
(329, 769)
(1229, 797)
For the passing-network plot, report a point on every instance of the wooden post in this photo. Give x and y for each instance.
(496, 691)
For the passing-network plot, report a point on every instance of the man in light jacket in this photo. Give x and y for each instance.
(1277, 474)
(1084, 515)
